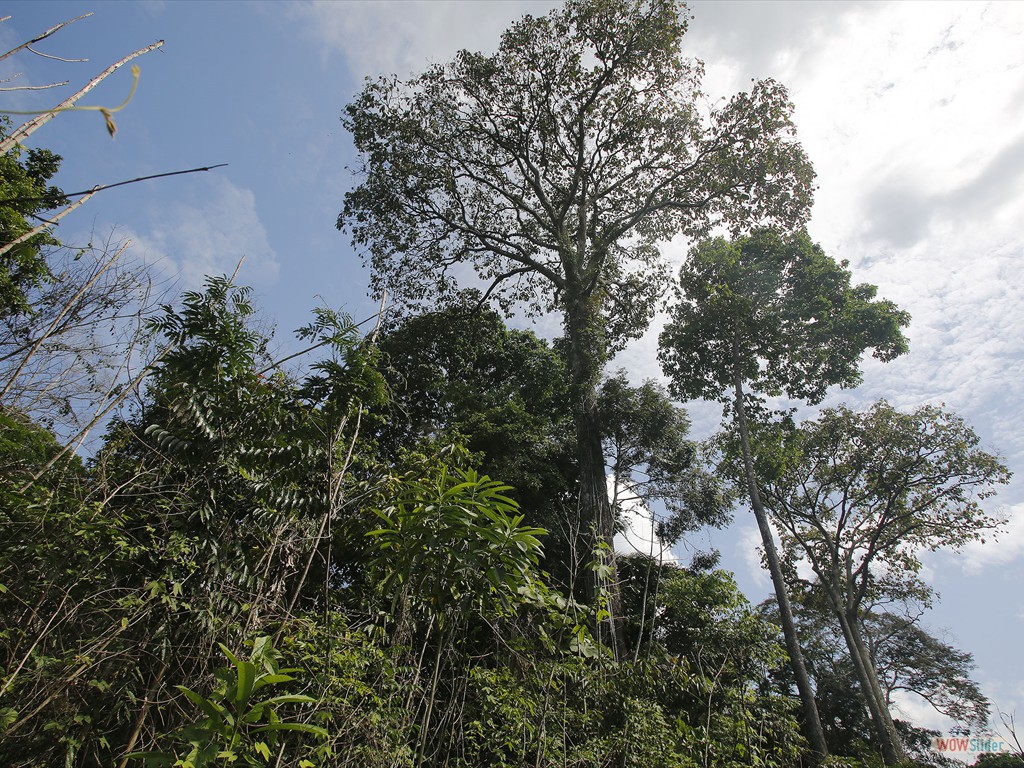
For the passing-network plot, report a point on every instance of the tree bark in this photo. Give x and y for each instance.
(812, 722)
(597, 520)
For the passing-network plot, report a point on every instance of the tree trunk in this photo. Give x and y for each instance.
(863, 665)
(892, 745)
(812, 722)
(596, 518)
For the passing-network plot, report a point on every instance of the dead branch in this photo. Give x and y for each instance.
(86, 195)
(43, 36)
(31, 126)
(101, 187)
(46, 223)
(34, 87)
(55, 58)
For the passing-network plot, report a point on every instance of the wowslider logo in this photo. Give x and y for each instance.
(967, 745)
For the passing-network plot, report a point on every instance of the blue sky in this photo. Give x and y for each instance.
(913, 114)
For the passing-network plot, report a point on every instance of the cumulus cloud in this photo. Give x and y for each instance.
(911, 707)
(209, 234)
(764, 39)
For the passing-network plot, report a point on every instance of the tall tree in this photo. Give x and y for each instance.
(551, 169)
(762, 316)
(860, 496)
(908, 657)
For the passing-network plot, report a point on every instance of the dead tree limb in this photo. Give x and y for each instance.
(43, 36)
(37, 122)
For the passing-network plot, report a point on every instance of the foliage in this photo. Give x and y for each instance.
(861, 495)
(719, 652)
(461, 376)
(651, 460)
(775, 312)
(911, 659)
(589, 111)
(452, 542)
(906, 656)
(241, 724)
(24, 193)
(761, 316)
(999, 760)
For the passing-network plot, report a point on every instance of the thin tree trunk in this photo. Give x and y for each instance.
(796, 660)
(885, 729)
(140, 721)
(892, 745)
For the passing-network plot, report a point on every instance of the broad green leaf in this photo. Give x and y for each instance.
(211, 709)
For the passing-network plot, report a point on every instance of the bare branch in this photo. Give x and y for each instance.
(60, 315)
(101, 187)
(497, 281)
(34, 87)
(86, 195)
(97, 418)
(30, 127)
(43, 36)
(55, 58)
(46, 223)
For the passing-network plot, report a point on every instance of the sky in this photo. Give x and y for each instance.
(912, 113)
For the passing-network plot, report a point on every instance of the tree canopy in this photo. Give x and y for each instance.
(774, 311)
(548, 173)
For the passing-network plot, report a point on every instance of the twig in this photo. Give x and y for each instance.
(87, 195)
(55, 58)
(67, 308)
(34, 87)
(101, 187)
(238, 267)
(43, 36)
(98, 417)
(325, 342)
(46, 223)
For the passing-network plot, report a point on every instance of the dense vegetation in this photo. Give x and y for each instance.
(394, 548)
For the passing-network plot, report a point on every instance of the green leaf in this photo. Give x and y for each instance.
(211, 709)
(271, 680)
(314, 730)
(246, 680)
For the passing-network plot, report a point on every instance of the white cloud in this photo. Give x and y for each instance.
(403, 38)
(911, 707)
(997, 551)
(749, 547)
(209, 235)
(638, 536)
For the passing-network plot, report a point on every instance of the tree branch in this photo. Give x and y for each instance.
(43, 36)
(37, 122)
